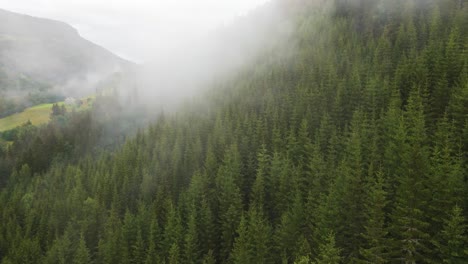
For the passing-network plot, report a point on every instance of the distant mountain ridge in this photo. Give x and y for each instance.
(51, 53)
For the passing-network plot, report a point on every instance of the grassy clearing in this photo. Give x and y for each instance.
(38, 115)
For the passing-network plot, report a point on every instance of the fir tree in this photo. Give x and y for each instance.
(454, 245)
(328, 252)
(375, 235)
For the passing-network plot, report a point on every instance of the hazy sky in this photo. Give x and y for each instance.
(135, 28)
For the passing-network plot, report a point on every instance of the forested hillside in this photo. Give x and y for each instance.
(353, 149)
(45, 61)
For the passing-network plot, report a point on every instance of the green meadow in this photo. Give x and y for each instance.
(38, 115)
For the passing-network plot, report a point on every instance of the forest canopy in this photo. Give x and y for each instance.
(352, 150)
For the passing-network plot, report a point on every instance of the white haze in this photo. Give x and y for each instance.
(183, 70)
(184, 44)
(135, 28)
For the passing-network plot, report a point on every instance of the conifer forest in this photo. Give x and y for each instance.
(348, 144)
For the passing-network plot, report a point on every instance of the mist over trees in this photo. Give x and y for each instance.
(352, 149)
(172, 75)
(45, 61)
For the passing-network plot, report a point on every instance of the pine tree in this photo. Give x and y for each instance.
(410, 225)
(319, 182)
(394, 141)
(259, 234)
(454, 245)
(258, 196)
(172, 232)
(350, 187)
(191, 248)
(154, 238)
(241, 251)
(129, 237)
(328, 252)
(303, 248)
(207, 227)
(82, 253)
(229, 200)
(29, 252)
(209, 259)
(375, 235)
(138, 249)
(446, 180)
(303, 260)
(290, 228)
(114, 239)
(174, 254)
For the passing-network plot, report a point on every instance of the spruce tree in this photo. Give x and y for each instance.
(376, 245)
(453, 246)
(328, 252)
(241, 250)
(409, 218)
(82, 255)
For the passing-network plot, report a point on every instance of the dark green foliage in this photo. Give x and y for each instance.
(37, 94)
(82, 253)
(454, 243)
(58, 111)
(241, 251)
(328, 252)
(376, 245)
(351, 149)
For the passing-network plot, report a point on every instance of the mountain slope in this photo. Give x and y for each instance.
(51, 51)
(47, 58)
(353, 149)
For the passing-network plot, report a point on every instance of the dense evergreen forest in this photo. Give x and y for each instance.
(351, 149)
